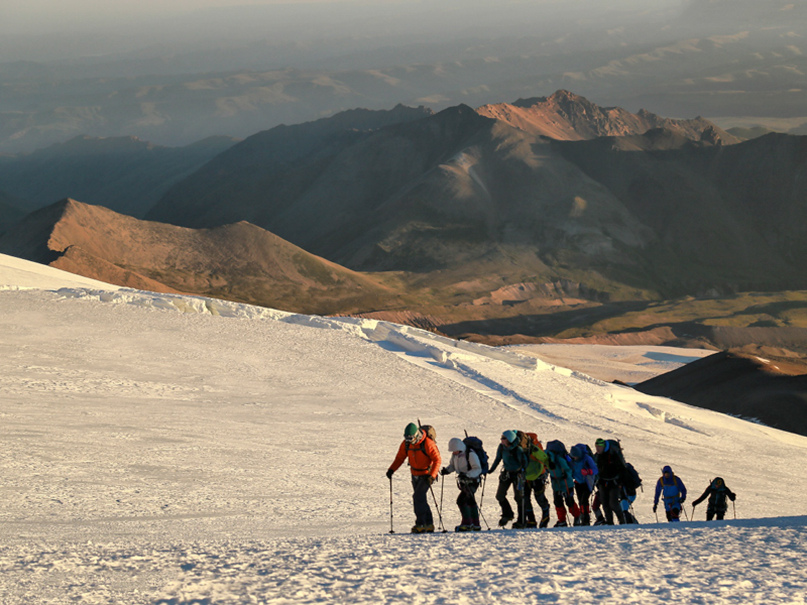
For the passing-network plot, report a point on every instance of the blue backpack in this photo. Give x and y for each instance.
(474, 444)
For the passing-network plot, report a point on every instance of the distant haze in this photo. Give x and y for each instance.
(176, 71)
(54, 29)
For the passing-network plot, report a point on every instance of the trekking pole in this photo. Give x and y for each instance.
(483, 518)
(656, 513)
(391, 530)
(734, 508)
(442, 485)
(684, 508)
(439, 515)
(482, 497)
(524, 496)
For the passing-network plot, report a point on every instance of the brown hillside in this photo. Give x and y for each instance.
(239, 261)
(741, 385)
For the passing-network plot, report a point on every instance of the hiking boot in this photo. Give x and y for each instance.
(544, 521)
(585, 519)
(476, 527)
(577, 521)
(519, 525)
(462, 528)
(504, 520)
(562, 523)
(422, 529)
(532, 524)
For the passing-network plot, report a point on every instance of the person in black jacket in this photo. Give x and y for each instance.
(717, 492)
(611, 465)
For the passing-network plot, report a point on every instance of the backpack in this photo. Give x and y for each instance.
(632, 478)
(557, 447)
(474, 444)
(430, 431)
(537, 461)
(559, 450)
(523, 440)
(616, 447)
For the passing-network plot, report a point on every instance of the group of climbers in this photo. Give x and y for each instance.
(582, 481)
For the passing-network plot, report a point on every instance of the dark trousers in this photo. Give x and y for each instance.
(466, 502)
(506, 479)
(583, 492)
(712, 511)
(423, 512)
(536, 488)
(610, 492)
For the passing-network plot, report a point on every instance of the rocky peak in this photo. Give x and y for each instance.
(567, 116)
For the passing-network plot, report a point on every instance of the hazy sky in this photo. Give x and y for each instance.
(42, 16)
(38, 16)
(48, 30)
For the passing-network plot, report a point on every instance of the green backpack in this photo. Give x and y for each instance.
(536, 461)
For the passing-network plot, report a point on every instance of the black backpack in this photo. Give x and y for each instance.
(615, 448)
(632, 478)
(474, 444)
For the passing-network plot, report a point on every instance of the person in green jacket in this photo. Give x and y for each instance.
(536, 475)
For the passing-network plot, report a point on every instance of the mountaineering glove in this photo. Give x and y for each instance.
(389, 473)
(655, 507)
(432, 479)
(587, 471)
(444, 470)
(732, 497)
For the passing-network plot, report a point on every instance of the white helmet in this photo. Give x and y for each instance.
(456, 445)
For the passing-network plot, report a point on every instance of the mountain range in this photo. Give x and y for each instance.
(528, 218)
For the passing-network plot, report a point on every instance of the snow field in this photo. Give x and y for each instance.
(725, 562)
(169, 449)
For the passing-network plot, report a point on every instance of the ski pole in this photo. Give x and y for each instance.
(439, 516)
(391, 530)
(684, 508)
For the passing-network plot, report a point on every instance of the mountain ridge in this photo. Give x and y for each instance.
(238, 261)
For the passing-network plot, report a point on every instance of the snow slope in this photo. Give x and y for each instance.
(174, 449)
